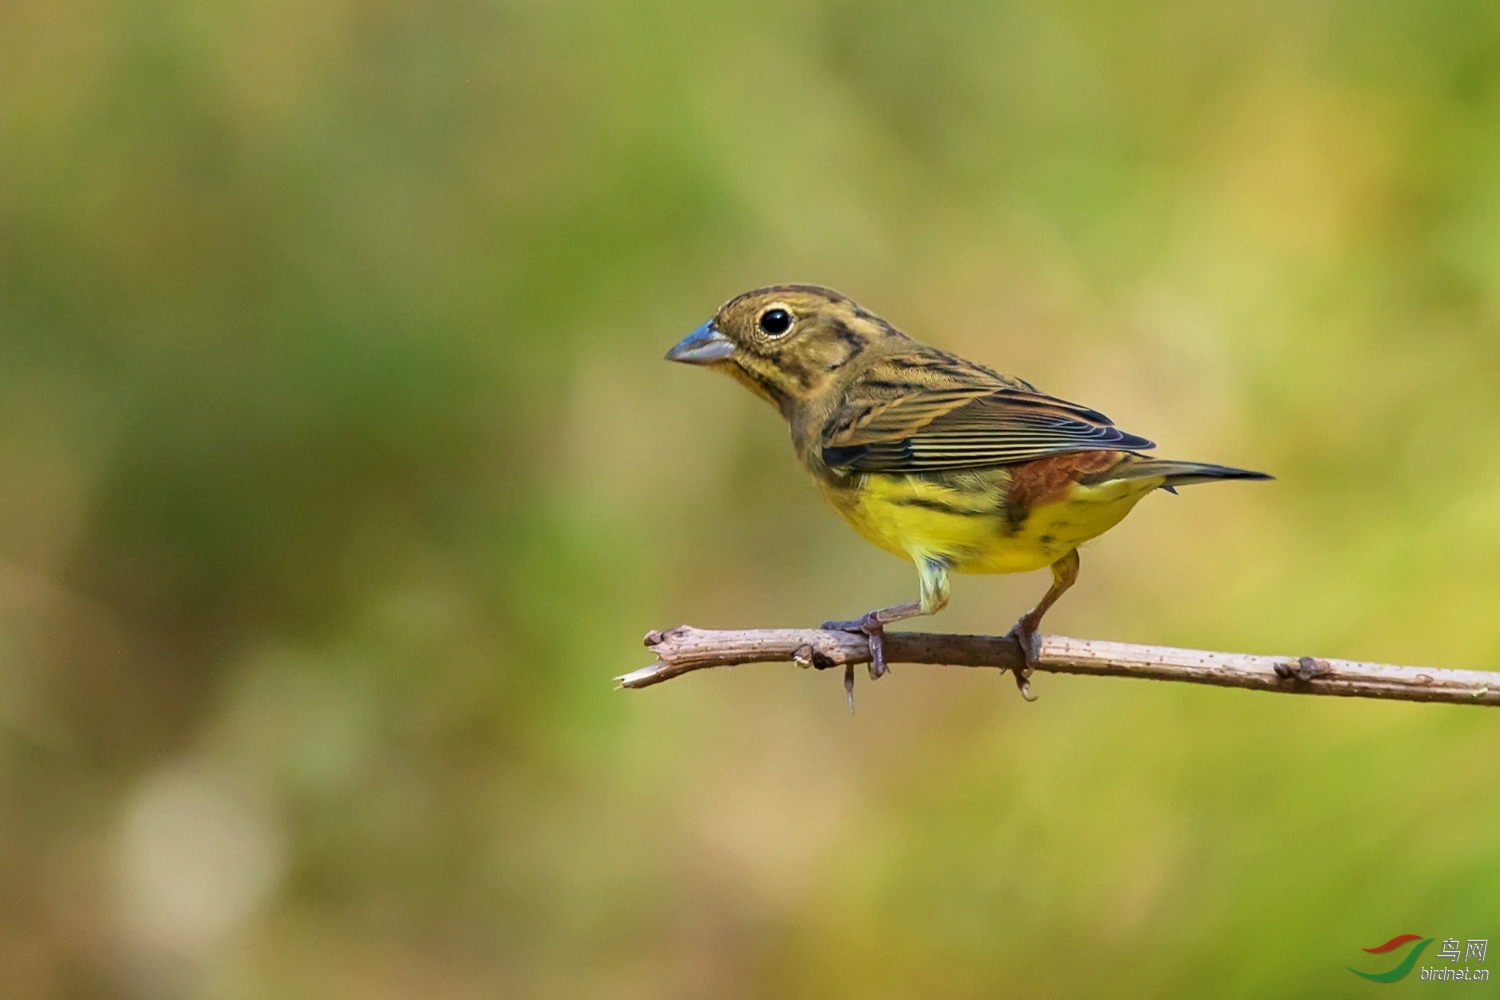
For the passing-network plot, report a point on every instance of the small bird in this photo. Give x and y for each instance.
(935, 459)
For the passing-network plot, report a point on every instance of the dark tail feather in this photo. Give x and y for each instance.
(1180, 473)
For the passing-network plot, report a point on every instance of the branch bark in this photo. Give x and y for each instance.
(685, 649)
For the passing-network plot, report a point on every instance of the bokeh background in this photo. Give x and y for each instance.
(340, 473)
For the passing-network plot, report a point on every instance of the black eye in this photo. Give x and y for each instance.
(775, 322)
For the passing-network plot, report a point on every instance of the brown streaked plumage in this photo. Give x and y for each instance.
(939, 460)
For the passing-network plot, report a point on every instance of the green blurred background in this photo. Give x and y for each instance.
(340, 473)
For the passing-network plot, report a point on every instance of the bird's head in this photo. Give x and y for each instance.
(787, 343)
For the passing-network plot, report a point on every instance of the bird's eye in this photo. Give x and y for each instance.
(775, 322)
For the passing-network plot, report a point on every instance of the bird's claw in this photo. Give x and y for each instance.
(1025, 634)
(872, 628)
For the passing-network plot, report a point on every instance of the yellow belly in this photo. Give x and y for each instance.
(966, 525)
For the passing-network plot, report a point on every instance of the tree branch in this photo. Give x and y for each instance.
(685, 649)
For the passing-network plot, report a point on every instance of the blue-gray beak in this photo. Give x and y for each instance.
(703, 346)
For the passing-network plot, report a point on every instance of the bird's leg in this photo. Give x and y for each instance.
(872, 624)
(1064, 575)
(934, 597)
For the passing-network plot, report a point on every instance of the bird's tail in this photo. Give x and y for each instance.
(1179, 473)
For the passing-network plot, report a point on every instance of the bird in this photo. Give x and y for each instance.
(941, 461)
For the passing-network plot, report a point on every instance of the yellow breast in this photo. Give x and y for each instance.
(963, 519)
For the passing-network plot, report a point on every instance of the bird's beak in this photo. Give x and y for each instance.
(704, 346)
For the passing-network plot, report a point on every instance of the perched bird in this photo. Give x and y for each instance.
(935, 459)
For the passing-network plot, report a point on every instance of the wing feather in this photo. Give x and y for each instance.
(890, 427)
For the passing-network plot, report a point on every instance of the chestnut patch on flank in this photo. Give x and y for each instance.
(1047, 480)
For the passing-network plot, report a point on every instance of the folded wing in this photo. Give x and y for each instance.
(888, 428)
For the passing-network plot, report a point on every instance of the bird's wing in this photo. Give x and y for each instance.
(945, 419)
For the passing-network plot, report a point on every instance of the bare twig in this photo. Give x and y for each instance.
(685, 649)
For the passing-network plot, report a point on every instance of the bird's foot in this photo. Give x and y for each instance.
(1025, 634)
(872, 627)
